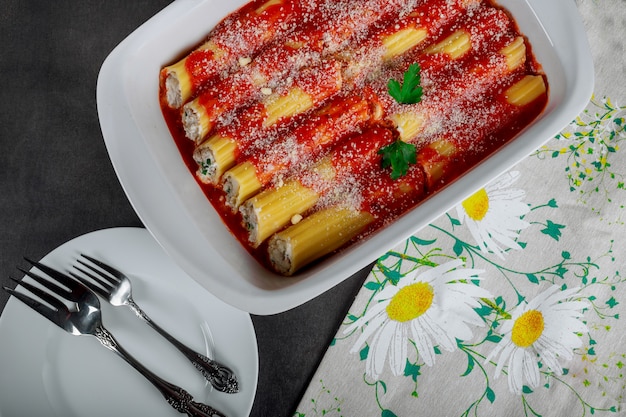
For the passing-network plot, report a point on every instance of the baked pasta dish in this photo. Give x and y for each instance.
(310, 124)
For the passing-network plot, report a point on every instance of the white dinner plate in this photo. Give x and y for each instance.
(47, 372)
(172, 206)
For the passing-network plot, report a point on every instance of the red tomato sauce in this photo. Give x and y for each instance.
(462, 98)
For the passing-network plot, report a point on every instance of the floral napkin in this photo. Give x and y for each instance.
(512, 303)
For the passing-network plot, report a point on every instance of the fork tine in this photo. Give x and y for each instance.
(103, 278)
(62, 292)
(44, 295)
(108, 268)
(46, 311)
(56, 275)
(100, 289)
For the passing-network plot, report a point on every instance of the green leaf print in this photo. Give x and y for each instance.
(470, 365)
(591, 142)
(532, 278)
(612, 302)
(364, 352)
(494, 338)
(421, 242)
(373, 286)
(484, 310)
(458, 247)
(553, 230)
(412, 370)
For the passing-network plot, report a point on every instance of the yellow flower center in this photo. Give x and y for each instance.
(527, 328)
(410, 302)
(477, 205)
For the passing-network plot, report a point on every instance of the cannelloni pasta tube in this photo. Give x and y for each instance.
(333, 24)
(331, 228)
(269, 211)
(314, 237)
(258, 23)
(257, 79)
(447, 156)
(464, 48)
(339, 118)
(258, 122)
(410, 33)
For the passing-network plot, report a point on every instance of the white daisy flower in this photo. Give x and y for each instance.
(542, 330)
(493, 214)
(430, 309)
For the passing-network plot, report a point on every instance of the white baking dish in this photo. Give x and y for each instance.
(172, 206)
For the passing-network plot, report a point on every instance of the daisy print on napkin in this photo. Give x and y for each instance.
(429, 309)
(494, 214)
(540, 333)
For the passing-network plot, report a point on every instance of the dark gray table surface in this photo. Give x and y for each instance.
(57, 183)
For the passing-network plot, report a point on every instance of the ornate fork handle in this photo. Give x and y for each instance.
(176, 396)
(220, 376)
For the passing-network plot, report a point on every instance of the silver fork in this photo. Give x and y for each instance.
(115, 287)
(86, 319)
